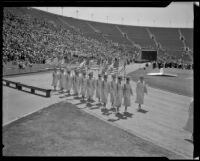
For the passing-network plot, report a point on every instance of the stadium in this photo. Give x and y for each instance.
(40, 121)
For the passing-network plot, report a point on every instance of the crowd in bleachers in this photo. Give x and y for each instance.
(30, 39)
(173, 64)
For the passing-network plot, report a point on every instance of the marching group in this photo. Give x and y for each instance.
(88, 87)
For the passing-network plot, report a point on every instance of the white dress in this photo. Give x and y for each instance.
(98, 88)
(189, 124)
(104, 91)
(113, 86)
(69, 82)
(83, 84)
(127, 93)
(90, 88)
(63, 80)
(118, 95)
(55, 79)
(140, 90)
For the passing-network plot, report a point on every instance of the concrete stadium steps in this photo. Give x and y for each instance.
(135, 31)
(177, 53)
(95, 36)
(146, 43)
(170, 44)
(110, 32)
(168, 37)
(188, 35)
(105, 28)
(138, 35)
(118, 39)
(79, 24)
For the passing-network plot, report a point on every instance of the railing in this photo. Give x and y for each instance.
(33, 89)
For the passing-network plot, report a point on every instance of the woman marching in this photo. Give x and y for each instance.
(104, 91)
(189, 124)
(118, 94)
(83, 84)
(98, 88)
(68, 81)
(63, 80)
(59, 78)
(141, 89)
(90, 87)
(55, 79)
(113, 86)
(127, 93)
(76, 83)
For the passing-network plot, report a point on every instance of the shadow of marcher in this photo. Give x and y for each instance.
(91, 101)
(106, 112)
(142, 111)
(94, 108)
(120, 116)
(63, 96)
(112, 109)
(57, 93)
(113, 120)
(99, 104)
(77, 98)
(89, 104)
(127, 114)
(81, 102)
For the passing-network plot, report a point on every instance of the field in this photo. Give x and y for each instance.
(182, 84)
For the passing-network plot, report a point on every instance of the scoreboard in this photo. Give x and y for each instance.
(150, 55)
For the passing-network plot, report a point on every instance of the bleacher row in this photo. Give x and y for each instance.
(170, 39)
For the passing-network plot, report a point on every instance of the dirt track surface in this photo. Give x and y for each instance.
(64, 130)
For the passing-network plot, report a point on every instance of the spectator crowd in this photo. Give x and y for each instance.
(35, 40)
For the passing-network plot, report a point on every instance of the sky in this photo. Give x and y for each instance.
(177, 14)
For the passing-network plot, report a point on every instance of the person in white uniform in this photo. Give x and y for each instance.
(98, 88)
(69, 81)
(104, 91)
(90, 87)
(75, 83)
(127, 93)
(189, 124)
(62, 80)
(118, 94)
(113, 86)
(141, 89)
(55, 79)
(59, 78)
(83, 84)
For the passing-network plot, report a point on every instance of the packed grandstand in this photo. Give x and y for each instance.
(34, 36)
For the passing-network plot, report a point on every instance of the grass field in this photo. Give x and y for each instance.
(182, 84)
(63, 130)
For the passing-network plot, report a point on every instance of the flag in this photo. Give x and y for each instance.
(114, 70)
(48, 61)
(82, 67)
(94, 65)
